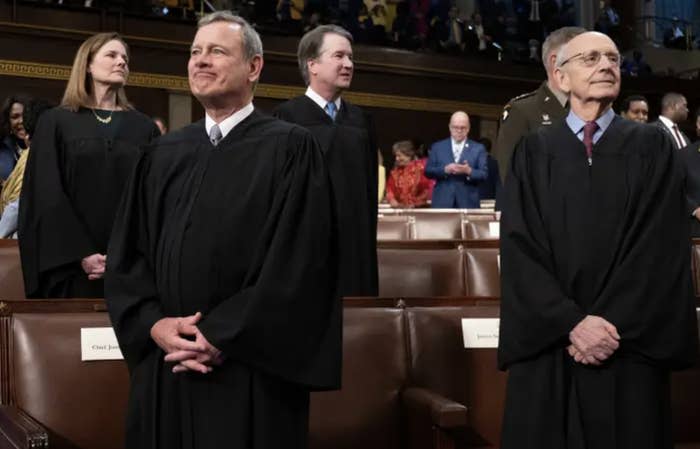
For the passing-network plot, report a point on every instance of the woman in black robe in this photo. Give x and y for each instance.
(82, 154)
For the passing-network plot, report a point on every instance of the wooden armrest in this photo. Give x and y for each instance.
(21, 430)
(444, 412)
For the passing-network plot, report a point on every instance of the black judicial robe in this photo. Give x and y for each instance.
(611, 240)
(691, 158)
(244, 233)
(74, 179)
(350, 148)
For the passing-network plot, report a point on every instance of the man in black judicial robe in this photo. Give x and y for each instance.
(221, 277)
(346, 135)
(597, 303)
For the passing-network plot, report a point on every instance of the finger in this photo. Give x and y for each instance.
(177, 343)
(194, 365)
(179, 368)
(191, 319)
(612, 330)
(178, 356)
(571, 350)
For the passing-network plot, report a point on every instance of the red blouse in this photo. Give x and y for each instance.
(408, 185)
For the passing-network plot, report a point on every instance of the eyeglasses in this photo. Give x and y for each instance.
(592, 58)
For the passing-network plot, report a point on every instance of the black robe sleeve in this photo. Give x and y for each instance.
(51, 234)
(132, 300)
(535, 311)
(287, 319)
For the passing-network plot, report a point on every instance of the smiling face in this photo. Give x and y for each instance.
(638, 111)
(218, 68)
(110, 64)
(586, 82)
(459, 126)
(16, 121)
(331, 72)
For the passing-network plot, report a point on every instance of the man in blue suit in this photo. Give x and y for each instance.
(458, 165)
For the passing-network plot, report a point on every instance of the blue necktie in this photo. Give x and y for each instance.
(330, 110)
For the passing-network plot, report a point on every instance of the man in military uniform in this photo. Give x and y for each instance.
(541, 107)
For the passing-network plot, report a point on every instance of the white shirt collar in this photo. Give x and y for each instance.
(667, 121)
(320, 101)
(227, 124)
(458, 144)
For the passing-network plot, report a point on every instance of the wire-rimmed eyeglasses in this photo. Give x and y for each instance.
(592, 58)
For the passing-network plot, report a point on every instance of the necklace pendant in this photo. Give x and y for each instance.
(103, 120)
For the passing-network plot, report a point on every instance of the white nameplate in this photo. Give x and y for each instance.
(480, 332)
(99, 343)
(494, 229)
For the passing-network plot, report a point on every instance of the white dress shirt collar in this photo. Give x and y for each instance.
(227, 124)
(320, 101)
(670, 125)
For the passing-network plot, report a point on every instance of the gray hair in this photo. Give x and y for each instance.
(311, 43)
(252, 45)
(671, 99)
(556, 40)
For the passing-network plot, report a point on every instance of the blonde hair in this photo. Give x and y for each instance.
(78, 91)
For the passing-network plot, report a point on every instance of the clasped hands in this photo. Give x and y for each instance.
(94, 265)
(188, 355)
(457, 169)
(593, 340)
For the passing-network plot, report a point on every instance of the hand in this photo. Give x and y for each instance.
(594, 339)
(393, 203)
(696, 214)
(94, 265)
(452, 168)
(201, 362)
(168, 333)
(465, 168)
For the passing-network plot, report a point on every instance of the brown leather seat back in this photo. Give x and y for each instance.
(440, 363)
(11, 282)
(395, 227)
(696, 265)
(438, 225)
(477, 229)
(685, 391)
(482, 274)
(365, 413)
(83, 404)
(420, 272)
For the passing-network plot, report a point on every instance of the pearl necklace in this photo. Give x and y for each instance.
(103, 120)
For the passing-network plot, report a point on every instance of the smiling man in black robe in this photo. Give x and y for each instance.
(597, 305)
(346, 135)
(221, 277)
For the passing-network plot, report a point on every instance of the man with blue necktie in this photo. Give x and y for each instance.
(458, 164)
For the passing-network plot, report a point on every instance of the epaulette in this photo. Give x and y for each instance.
(525, 95)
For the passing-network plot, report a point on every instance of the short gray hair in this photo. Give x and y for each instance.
(310, 45)
(252, 45)
(556, 40)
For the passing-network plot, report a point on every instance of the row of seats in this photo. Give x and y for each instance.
(439, 268)
(408, 381)
(407, 268)
(437, 226)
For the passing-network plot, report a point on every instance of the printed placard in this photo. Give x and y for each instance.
(99, 343)
(480, 332)
(495, 229)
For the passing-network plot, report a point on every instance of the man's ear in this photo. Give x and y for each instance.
(562, 79)
(255, 68)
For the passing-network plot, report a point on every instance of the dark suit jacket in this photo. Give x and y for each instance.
(459, 191)
(668, 132)
(690, 155)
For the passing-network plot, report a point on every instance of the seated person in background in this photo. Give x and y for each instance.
(9, 197)
(635, 107)
(12, 134)
(407, 185)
